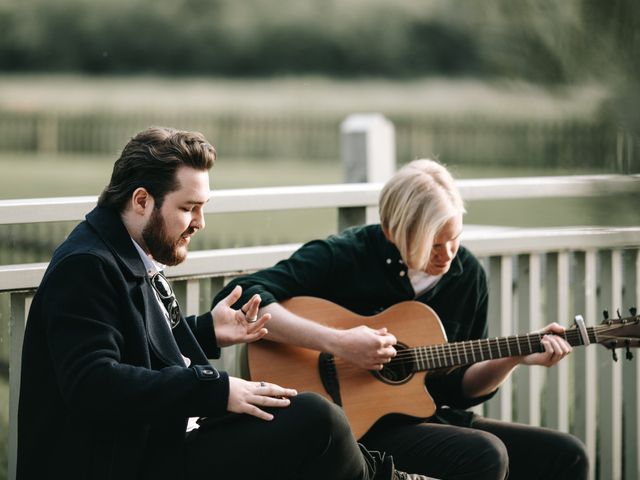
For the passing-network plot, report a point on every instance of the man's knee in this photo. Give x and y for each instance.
(319, 413)
(488, 455)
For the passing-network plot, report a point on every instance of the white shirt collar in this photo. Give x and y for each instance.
(150, 265)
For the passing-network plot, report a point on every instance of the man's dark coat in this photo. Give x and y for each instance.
(104, 393)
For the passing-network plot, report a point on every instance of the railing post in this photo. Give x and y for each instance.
(20, 303)
(368, 155)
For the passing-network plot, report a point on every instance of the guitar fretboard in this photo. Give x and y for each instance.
(448, 355)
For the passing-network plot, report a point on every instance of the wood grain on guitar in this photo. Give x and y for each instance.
(422, 346)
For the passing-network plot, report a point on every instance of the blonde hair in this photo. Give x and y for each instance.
(414, 206)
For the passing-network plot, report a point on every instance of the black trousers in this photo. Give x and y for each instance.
(308, 440)
(489, 449)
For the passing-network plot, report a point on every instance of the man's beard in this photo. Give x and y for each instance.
(160, 246)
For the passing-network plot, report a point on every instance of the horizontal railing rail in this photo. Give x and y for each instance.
(483, 242)
(37, 210)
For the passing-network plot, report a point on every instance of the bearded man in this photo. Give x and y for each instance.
(116, 382)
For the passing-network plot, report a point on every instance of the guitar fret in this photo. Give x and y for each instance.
(518, 344)
(458, 354)
(423, 358)
(473, 352)
(508, 348)
(529, 340)
(489, 349)
(436, 357)
(416, 358)
(432, 357)
(498, 345)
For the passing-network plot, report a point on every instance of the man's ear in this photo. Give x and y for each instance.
(141, 201)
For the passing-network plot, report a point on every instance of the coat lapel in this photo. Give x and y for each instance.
(108, 225)
(161, 339)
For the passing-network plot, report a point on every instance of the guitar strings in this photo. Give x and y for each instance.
(413, 355)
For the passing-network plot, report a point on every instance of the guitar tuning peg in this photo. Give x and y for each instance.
(618, 313)
(614, 354)
(628, 355)
(633, 311)
(605, 314)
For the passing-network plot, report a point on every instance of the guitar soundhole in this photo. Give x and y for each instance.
(399, 370)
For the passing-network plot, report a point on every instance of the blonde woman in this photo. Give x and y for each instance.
(415, 254)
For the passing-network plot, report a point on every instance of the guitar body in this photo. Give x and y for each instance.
(365, 397)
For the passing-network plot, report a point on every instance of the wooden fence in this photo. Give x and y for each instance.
(469, 141)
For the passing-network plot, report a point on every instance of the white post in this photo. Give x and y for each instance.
(20, 303)
(368, 155)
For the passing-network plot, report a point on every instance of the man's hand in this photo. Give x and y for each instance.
(247, 397)
(238, 326)
(555, 348)
(366, 347)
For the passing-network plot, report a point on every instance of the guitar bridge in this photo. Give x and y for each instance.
(329, 376)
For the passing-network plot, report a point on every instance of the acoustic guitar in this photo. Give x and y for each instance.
(422, 346)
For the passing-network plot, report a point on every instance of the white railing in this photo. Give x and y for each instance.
(535, 276)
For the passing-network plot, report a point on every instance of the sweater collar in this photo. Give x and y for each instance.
(390, 255)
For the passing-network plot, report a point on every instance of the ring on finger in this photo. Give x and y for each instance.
(253, 319)
(262, 384)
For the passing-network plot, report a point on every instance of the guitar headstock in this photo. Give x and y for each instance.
(620, 332)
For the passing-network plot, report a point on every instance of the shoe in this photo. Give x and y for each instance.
(398, 475)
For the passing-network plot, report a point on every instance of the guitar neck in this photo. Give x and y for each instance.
(456, 354)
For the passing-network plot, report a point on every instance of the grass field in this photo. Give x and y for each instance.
(298, 95)
(37, 176)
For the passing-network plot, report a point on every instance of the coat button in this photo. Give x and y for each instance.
(402, 273)
(388, 261)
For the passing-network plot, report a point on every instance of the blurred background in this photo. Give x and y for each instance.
(492, 89)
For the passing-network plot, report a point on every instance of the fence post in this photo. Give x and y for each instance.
(20, 303)
(368, 155)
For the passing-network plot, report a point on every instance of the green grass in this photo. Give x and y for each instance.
(39, 176)
(306, 95)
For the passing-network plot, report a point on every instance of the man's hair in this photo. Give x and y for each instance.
(414, 206)
(150, 160)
